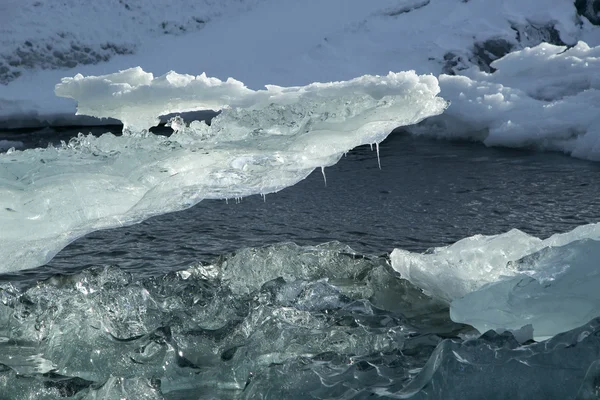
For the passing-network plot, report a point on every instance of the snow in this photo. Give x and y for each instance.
(259, 42)
(262, 142)
(45, 34)
(547, 97)
(554, 290)
(511, 280)
(137, 98)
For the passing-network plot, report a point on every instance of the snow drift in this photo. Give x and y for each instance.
(260, 42)
(546, 97)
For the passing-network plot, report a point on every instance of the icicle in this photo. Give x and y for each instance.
(378, 160)
(264, 196)
(324, 177)
(226, 200)
(371, 144)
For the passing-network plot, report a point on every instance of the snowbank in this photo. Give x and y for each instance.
(259, 42)
(262, 142)
(547, 97)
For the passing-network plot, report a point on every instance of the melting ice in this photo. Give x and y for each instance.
(261, 142)
(281, 321)
(512, 280)
(286, 320)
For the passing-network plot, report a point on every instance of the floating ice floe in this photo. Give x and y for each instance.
(546, 97)
(262, 142)
(512, 280)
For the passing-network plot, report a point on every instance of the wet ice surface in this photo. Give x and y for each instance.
(301, 322)
(323, 316)
(262, 142)
(276, 322)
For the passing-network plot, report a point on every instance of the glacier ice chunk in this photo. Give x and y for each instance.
(451, 272)
(261, 142)
(495, 366)
(511, 280)
(555, 290)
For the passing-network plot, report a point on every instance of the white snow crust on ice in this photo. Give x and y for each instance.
(261, 142)
(136, 98)
(482, 278)
(546, 97)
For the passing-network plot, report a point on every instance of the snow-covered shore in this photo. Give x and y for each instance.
(283, 42)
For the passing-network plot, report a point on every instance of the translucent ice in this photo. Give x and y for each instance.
(210, 328)
(512, 280)
(262, 142)
(555, 289)
(496, 367)
(451, 272)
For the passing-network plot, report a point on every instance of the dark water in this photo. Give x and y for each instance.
(248, 316)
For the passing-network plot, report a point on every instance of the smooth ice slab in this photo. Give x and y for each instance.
(262, 142)
(555, 290)
(512, 280)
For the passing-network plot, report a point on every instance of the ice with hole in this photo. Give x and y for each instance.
(261, 142)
